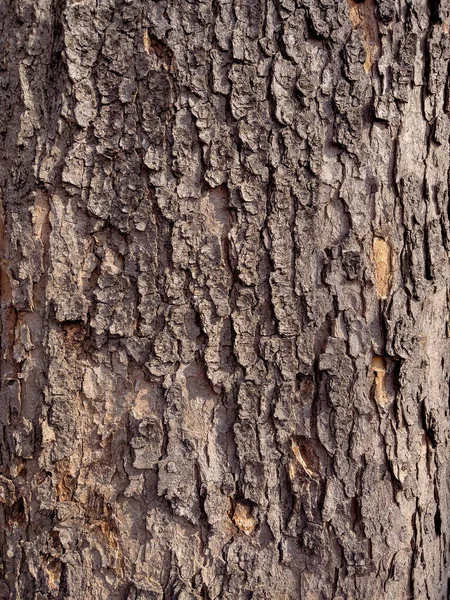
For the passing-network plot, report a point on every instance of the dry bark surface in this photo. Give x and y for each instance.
(224, 299)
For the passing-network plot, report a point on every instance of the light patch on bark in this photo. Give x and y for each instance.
(54, 574)
(363, 18)
(47, 433)
(302, 460)
(7, 491)
(147, 42)
(65, 485)
(243, 518)
(379, 370)
(214, 207)
(382, 255)
(161, 56)
(142, 406)
(41, 214)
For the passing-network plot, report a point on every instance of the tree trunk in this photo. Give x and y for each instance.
(224, 299)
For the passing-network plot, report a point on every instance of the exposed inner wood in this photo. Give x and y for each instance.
(363, 17)
(383, 266)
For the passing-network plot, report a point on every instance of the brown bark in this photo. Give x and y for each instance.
(224, 299)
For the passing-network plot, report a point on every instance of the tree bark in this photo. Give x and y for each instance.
(224, 299)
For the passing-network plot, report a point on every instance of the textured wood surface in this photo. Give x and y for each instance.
(224, 299)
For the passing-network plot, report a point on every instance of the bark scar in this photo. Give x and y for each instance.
(382, 255)
(379, 369)
(302, 460)
(243, 518)
(363, 18)
(41, 215)
(54, 571)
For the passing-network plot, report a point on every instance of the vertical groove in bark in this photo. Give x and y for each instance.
(224, 299)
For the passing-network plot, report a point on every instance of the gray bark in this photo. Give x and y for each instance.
(224, 299)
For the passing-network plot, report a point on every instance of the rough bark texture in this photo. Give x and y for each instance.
(224, 299)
